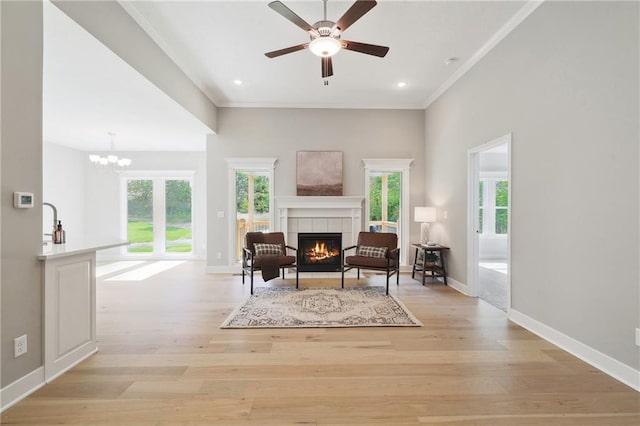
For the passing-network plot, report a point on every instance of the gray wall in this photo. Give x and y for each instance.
(21, 171)
(280, 133)
(565, 82)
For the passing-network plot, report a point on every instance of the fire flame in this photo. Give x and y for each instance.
(320, 251)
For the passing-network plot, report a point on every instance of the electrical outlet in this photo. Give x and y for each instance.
(637, 336)
(20, 346)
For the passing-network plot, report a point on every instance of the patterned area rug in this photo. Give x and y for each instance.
(320, 307)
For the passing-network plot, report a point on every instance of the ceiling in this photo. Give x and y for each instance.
(89, 91)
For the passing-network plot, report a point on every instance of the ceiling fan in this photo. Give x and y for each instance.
(325, 35)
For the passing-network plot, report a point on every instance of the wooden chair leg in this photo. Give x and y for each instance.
(358, 273)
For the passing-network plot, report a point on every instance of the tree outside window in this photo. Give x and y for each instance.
(502, 203)
(385, 191)
(252, 205)
(493, 206)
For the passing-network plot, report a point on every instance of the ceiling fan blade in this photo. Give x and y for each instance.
(327, 67)
(369, 49)
(286, 50)
(355, 12)
(291, 16)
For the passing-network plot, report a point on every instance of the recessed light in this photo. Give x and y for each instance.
(451, 60)
(237, 82)
(401, 84)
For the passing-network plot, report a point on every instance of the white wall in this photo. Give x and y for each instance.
(565, 83)
(280, 133)
(64, 185)
(103, 195)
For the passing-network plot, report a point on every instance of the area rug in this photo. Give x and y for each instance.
(320, 307)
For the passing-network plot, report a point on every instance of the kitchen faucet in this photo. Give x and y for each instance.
(55, 217)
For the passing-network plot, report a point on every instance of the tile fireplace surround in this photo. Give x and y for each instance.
(320, 214)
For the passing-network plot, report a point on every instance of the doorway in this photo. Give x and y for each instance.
(490, 222)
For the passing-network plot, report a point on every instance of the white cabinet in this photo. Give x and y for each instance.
(69, 312)
(70, 303)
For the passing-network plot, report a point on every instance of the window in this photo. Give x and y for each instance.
(493, 206)
(140, 215)
(158, 213)
(501, 205)
(250, 200)
(253, 200)
(385, 191)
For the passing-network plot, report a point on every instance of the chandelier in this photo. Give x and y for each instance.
(110, 160)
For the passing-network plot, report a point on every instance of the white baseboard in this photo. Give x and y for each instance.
(21, 388)
(602, 362)
(457, 285)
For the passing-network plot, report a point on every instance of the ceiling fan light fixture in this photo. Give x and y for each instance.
(325, 46)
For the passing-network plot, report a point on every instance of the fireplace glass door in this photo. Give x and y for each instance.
(319, 252)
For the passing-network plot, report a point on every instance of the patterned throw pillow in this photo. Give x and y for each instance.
(267, 249)
(368, 251)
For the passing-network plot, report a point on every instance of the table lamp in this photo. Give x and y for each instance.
(425, 215)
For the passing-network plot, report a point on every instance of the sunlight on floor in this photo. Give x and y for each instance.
(147, 271)
(110, 268)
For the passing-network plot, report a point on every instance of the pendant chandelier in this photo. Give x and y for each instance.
(110, 160)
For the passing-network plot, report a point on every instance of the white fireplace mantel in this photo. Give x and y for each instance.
(320, 210)
(323, 205)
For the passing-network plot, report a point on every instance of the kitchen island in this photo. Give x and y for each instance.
(69, 280)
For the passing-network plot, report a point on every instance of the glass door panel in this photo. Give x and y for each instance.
(252, 206)
(178, 236)
(140, 215)
(385, 192)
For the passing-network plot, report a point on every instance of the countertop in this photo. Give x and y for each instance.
(53, 251)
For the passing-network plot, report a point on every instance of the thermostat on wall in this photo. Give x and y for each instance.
(23, 200)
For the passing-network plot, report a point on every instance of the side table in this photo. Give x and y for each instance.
(437, 268)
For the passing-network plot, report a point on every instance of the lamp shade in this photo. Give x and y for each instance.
(425, 214)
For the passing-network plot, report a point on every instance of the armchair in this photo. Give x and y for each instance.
(266, 252)
(375, 250)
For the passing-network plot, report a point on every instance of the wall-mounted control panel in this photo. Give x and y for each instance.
(23, 200)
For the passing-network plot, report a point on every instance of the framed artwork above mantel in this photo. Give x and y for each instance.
(319, 173)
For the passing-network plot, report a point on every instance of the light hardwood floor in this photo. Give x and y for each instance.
(163, 360)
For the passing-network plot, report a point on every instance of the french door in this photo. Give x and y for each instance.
(157, 215)
(387, 190)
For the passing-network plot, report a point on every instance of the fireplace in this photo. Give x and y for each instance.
(319, 251)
